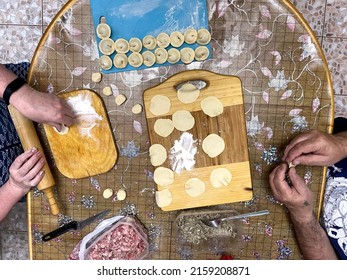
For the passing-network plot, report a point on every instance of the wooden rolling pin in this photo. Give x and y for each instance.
(28, 137)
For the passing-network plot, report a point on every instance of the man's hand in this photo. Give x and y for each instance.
(316, 148)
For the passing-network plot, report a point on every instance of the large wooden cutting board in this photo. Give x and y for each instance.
(88, 148)
(230, 125)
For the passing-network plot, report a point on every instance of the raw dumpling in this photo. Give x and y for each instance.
(120, 60)
(121, 46)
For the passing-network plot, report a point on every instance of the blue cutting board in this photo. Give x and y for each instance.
(138, 18)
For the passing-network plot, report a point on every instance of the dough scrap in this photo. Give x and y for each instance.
(204, 36)
(163, 198)
(135, 59)
(137, 109)
(220, 177)
(174, 55)
(160, 105)
(163, 40)
(148, 58)
(121, 45)
(157, 154)
(121, 194)
(103, 30)
(163, 127)
(163, 176)
(212, 106)
(149, 42)
(190, 36)
(107, 91)
(177, 39)
(213, 145)
(194, 187)
(105, 62)
(187, 55)
(161, 55)
(106, 46)
(201, 53)
(96, 77)
(120, 60)
(64, 129)
(188, 93)
(107, 193)
(135, 44)
(120, 99)
(183, 120)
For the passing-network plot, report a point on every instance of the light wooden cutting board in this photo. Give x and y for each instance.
(230, 125)
(88, 148)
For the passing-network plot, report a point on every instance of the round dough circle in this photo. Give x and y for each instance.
(107, 90)
(163, 40)
(161, 55)
(121, 194)
(106, 46)
(194, 187)
(163, 127)
(135, 59)
(201, 53)
(157, 154)
(183, 120)
(137, 109)
(188, 93)
(107, 193)
(160, 105)
(212, 106)
(135, 44)
(213, 145)
(163, 198)
(163, 176)
(120, 60)
(190, 36)
(121, 45)
(103, 30)
(174, 55)
(204, 36)
(149, 42)
(177, 39)
(96, 77)
(120, 99)
(105, 62)
(187, 55)
(220, 177)
(64, 129)
(148, 58)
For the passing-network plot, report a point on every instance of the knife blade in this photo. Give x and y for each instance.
(74, 225)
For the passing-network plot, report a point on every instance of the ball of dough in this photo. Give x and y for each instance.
(188, 93)
(107, 91)
(121, 194)
(194, 187)
(201, 53)
(149, 42)
(163, 40)
(148, 58)
(105, 62)
(96, 77)
(220, 177)
(157, 154)
(176, 39)
(135, 44)
(135, 59)
(163, 176)
(204, 36)
(212, 106)
(174, 55)
(160, 105)
(183, 120)
(187, 55)
(120, 99)
(103, 30)
(107, 193)
(120, 60)
(137, 109)
(163, 127)
(121, 45)
(160, 55)
(190, 36)
(213, 145)
(163, 198)
(106, 46)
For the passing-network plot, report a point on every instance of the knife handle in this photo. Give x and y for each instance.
(59, 231)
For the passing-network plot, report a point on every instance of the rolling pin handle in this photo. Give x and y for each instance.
(52, 202)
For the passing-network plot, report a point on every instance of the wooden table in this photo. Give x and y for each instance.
(287, 89)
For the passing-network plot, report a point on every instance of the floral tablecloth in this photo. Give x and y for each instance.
(287, 90)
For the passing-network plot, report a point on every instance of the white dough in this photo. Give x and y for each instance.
(213, 145)
(163, 198)
(220, 177)
(107, 90)
(163, 127)
(158, 154)
(148, 58)
(177, 39)
(194, 187)
(149, 42)
(105, 62)
(188, 93)
(174, 55)
(135, 59)
(106, 46)
(107, 193)
(160, 105)
(103, 30)
(121, 45)
(136, 109)
(204, 36)
(120, 60)
(212, 106)
(96, 77)
(63, 130)
(161, 55)
(163, 40)
(183, 120)
(190, 36)
(120, 99)
(121, 194)
(163, 176)
(135, 44)
(201, 53)
(187, 55)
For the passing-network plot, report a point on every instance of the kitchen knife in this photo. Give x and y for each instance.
(74, 225)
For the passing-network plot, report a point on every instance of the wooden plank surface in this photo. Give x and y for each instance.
(230, 125)
(78, 154)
